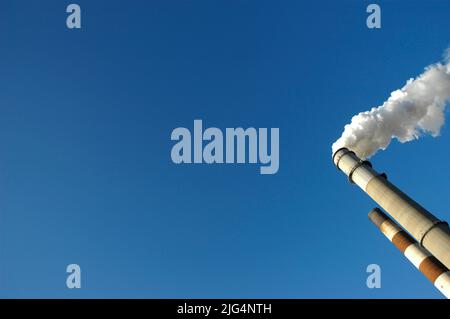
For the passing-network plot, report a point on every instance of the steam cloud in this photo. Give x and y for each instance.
(416, 108)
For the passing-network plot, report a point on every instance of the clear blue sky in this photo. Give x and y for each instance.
(85, 169)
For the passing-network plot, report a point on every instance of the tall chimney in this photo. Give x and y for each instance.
(429, 231)
(432, 268)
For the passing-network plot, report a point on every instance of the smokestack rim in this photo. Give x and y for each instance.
(345, 152)
(377, 216)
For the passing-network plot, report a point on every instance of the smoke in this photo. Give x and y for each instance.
(417, 108)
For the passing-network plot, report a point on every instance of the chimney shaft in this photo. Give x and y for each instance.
(432, 268)
(428, 230)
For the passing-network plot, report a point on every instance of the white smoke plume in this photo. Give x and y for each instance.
(416, 108)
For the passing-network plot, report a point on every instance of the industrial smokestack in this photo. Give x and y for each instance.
(428, 230)
(432, 268)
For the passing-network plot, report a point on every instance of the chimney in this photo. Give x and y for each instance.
(430, 232)
(428, 265)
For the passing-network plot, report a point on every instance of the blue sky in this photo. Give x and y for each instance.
(85, 170)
